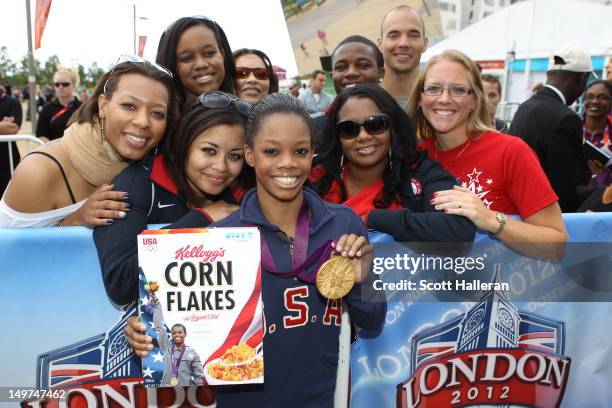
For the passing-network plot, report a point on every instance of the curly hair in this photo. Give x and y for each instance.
(403, 153)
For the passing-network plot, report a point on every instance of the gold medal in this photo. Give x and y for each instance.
(174, 381)
(336, 277)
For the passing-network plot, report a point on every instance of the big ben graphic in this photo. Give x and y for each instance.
(492, 323)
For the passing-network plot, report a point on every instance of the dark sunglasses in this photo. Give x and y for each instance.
(218, 99)
(374, 125)
(259, 73)
(62, 84)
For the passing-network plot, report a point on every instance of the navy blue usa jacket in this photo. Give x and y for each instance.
(153, 199)
(302, 327)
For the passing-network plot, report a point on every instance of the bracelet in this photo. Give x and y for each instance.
(60, 223)
(501, 219)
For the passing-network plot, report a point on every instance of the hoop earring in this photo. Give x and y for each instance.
(342, 162)
(390, 161)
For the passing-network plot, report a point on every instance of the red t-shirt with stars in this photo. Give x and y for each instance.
(502, 169)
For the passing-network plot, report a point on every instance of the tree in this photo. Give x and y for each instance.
(82, 75)
(20, 76)
(17, 73)
(93, 74)
(44, 76)
(7, 67)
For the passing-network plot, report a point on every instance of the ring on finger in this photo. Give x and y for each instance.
(459, 205)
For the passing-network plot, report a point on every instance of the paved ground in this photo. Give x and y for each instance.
(341, 18)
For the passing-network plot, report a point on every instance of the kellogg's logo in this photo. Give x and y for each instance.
(198, 252)
(493, 354)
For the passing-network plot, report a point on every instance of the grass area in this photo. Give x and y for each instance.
(292, 8)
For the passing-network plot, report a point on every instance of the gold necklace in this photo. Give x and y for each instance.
(458, 155)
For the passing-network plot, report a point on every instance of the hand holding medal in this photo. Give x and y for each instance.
(337, 276)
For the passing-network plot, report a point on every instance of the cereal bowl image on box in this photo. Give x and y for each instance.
(239, 364)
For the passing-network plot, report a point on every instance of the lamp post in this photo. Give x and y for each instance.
(31, 72)
(134, 26)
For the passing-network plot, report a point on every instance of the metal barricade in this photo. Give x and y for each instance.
(9, 139)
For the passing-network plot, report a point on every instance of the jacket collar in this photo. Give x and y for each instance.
(320, 215)
(557, 92)
(160, 175)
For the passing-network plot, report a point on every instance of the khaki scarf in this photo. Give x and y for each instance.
(92, 156)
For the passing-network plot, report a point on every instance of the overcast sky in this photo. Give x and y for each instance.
(83, 31)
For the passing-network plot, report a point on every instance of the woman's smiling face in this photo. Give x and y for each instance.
(199, 62)
(250, 88)
(448, 115)
(364, 150)
(215, 159)
(282, 156)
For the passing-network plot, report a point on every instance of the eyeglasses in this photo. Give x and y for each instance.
(62, 84)
(259, 73)
(457, 91)
(601, 98)
(217, 99)
(374, 125)
(134, 59)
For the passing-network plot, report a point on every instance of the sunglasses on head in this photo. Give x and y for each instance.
(374, 125)
(62, 84)
(258, 73)
(134, 59)
(217, 99)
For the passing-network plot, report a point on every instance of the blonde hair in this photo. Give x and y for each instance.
(478, 119)
(74, 76)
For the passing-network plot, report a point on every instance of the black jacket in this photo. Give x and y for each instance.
(420, 221)
(153, 199)
(53, 127)
(554, 132)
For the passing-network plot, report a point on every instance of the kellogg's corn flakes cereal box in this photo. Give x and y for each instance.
(200, 297)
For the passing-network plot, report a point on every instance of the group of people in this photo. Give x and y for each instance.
(202, 137)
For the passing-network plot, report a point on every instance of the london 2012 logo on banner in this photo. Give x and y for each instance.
(493, 355)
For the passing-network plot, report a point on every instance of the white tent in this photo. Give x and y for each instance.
(533, 29)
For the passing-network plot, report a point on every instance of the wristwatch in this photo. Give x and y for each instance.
(501, 219)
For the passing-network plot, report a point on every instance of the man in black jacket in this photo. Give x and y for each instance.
(10, 123)
(553, 130)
